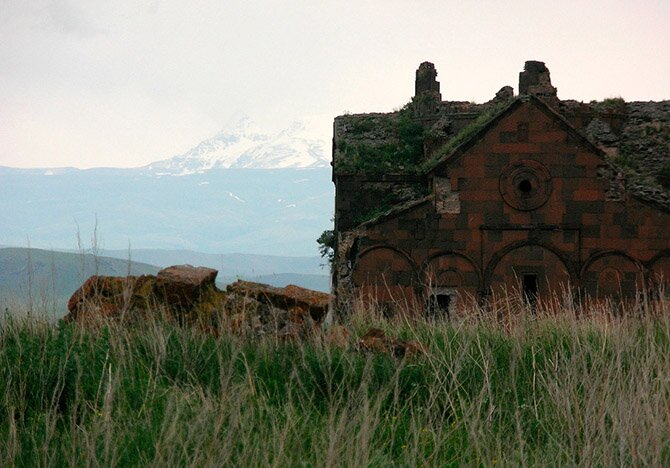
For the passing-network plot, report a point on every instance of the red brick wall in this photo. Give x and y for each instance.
(386, 275)
(563, 228)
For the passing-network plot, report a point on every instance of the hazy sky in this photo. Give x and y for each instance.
(126, 82)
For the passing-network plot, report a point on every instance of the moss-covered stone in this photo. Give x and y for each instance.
(380, 143)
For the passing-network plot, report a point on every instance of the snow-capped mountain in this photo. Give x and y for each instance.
(243, 145)
(226, 198)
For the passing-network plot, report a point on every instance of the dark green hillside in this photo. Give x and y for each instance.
(46, 278)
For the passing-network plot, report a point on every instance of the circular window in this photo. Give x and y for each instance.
(525, 185)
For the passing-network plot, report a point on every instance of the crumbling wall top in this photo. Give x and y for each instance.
(426, 80)
(635, 135)
(535, 79)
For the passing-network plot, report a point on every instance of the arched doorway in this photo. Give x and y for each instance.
(385, 277)
(613, 276)
(532, 274)
(451, 283)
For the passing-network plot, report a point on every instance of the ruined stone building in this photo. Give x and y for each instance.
(445, 202)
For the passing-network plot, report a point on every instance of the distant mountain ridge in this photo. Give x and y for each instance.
(229, 264)
(308, 272)
(300, 145)
(260, 211)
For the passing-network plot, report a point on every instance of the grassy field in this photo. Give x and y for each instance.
(552, 390)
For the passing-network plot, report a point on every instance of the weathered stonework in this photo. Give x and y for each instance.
(426, 82)
(189, 296)
(446, 200)
(527, 193)
(535, 79)
(427, 95)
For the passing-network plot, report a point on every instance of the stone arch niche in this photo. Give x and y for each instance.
(453, 275)
(385, 276)
(533, 273)
(612, 276)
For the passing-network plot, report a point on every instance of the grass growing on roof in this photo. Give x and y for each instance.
(466, 133)
(399, 151)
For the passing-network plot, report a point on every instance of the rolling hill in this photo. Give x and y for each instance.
(47, 279)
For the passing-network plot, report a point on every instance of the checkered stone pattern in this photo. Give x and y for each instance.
(577, 235)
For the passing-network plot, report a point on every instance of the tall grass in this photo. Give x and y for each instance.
(551, 390)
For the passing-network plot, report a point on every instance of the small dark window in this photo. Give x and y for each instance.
(522, 131)
(530, 289)
(438, 305)
(525, 186)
